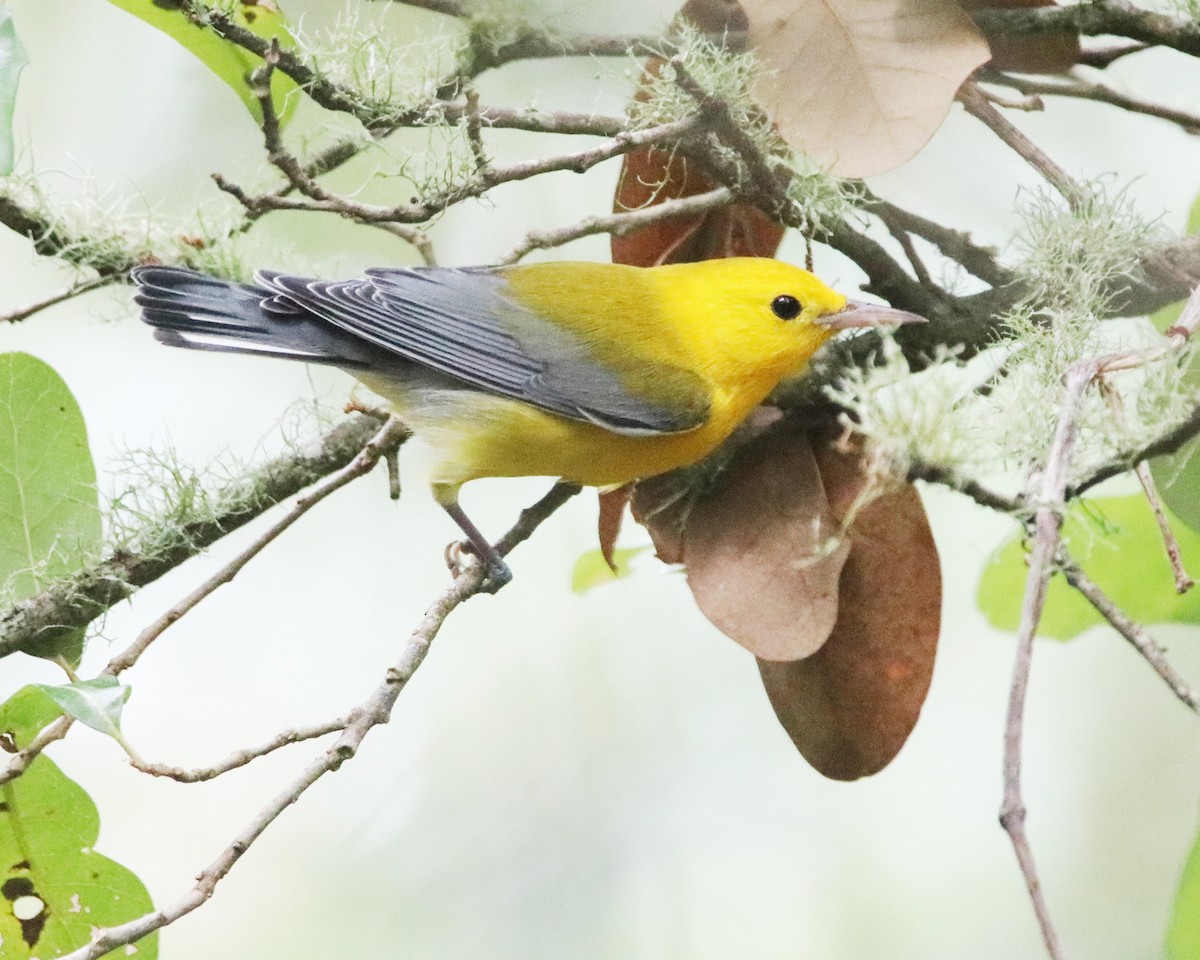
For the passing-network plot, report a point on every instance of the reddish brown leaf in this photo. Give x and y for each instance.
(1034, 53)
(850, 706)
(762, 550)
(612, 512)
(650, 176)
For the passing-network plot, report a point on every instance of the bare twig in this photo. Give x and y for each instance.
(373, 711)
(953, 244)
(451, 8)
(82, 287)
(1101, 57)
(904, 238)
(1183, 582)
(1138, 638)
(318, 199)
(978, 106)
(1049, 490)
(620, 224)
(388, 438)
(284, 161)
(242, 757)
(1080, 89)
(21, 760)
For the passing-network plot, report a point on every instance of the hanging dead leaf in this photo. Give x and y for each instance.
(650, 176)
(661, 505)
(861, 85)
(850, 706)
(612, 511)
(762, 550)
(1031, 53)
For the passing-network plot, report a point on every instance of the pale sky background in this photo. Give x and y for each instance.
(593, 776)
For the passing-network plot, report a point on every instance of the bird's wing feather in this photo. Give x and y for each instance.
(461, 322)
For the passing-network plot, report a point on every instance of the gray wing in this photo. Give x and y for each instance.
(460, 322)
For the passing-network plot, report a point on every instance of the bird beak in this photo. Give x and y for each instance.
(857, 313)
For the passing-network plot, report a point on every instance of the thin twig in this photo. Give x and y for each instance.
(1050, 489)
(84, 286)
(390, 436)
(620, 224)
(976, 104)
(904, 238)
(1138, 638)
(1080, 89)
(284, 161)
(21, 760)
(475, 130)
(953, 244)
(373, 711)
(320, 200)
(1183, 582)
(241, 758)
(383, 443)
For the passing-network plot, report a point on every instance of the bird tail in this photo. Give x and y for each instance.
(199, 312)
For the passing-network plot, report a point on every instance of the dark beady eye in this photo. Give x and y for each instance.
(786, 307)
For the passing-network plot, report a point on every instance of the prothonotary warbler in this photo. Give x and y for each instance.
(596, 373)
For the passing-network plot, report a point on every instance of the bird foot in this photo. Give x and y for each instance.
(497, 573)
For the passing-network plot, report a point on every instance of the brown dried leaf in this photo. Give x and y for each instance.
(762, 550)
(861, 85)
(650, 176)
(661, 504)
(612, 512)
(850, 706)
(1032, 53)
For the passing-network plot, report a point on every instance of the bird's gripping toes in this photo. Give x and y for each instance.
(596, 373)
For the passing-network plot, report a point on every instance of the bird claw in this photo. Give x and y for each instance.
(459, 553)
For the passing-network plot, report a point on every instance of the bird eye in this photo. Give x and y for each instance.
(786, 307)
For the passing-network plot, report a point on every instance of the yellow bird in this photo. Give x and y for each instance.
(596, 373)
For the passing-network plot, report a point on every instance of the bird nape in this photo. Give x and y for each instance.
(596, 373)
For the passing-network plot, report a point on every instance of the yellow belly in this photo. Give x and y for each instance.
(475, 435)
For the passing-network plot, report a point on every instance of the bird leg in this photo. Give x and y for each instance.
(498, 572)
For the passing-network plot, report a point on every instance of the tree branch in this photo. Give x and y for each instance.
(77, 600)
(1117, 18)
(1138, 638)
(372, 712)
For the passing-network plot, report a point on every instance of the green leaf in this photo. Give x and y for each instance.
(12, 59)
(1183, 933)
(25, 713)
(56, 889)
(1177, 476)
(591, 569)
(231, 63)
(49, 510)
(95, 702)
(1164, 317)
(1123, 554)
